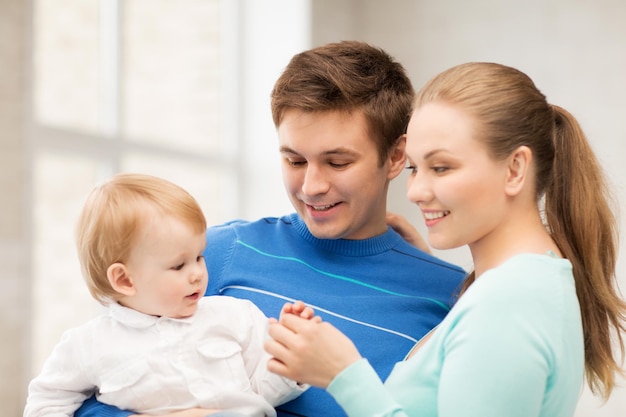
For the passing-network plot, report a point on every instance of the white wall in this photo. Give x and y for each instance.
(14, 230)
(574, 50)
(272, 31)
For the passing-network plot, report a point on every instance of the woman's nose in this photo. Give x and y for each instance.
(418, 189)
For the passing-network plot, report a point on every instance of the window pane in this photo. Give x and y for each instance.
(66, 63)
(61, 298)
(171, 73)
(213, 187)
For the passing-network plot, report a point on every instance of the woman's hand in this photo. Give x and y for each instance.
(407, 231)
(307, 350)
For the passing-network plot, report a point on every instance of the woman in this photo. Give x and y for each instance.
(495, 167)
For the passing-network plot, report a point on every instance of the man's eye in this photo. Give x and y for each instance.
(411, 168)
(340, 163)
(295, 163)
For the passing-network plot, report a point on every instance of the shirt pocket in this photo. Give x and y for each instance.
(224, 362)
(127, 386)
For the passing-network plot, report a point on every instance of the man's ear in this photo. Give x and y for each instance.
(120, 280)
(518, 170)
(397, 158)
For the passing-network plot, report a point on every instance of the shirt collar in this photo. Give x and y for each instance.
(139, 320)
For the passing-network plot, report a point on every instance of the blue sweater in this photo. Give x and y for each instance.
(381, 292)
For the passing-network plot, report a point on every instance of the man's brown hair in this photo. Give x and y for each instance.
(348, 76)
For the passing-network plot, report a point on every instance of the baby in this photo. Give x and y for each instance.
(162, 346)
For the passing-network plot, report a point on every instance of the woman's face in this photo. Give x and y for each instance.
(457, 185)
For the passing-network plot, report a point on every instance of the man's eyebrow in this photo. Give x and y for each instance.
(286, 149)
(336, 151)
(340, 151)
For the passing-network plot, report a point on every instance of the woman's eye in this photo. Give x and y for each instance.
(440, 169)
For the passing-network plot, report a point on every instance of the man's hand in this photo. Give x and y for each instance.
(407, 231)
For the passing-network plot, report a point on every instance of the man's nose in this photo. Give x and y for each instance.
(315, 181)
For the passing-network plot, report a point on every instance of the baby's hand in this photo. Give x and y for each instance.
(301, 310)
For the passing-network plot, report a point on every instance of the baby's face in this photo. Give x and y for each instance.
(168, 269)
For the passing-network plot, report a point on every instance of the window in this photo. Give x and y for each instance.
(122, 86)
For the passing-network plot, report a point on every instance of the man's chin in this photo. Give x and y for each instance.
(326, 231)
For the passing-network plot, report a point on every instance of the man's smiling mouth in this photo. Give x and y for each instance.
(322, 208)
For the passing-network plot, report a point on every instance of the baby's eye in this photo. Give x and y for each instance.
(199, 258)
(178, 267)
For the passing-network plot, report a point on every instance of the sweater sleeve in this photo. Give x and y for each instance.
(360, 392)
(93, 408)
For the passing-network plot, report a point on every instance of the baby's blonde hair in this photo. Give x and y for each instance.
(112, 216)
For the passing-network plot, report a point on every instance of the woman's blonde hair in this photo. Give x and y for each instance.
(512, 112)
(113, 214)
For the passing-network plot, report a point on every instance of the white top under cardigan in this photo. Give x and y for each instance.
(148, 364)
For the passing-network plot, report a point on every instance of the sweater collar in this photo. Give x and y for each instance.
(346, 247)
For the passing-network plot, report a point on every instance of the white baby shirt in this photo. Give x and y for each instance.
(147, 364)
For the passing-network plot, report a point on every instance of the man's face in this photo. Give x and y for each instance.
(332, 173)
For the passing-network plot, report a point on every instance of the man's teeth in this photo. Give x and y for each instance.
(435, 215)
(322, 208)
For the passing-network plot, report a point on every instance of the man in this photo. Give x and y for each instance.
(341, 111)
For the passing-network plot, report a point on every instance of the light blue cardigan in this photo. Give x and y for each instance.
(512, 346)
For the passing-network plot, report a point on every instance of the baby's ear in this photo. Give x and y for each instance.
(120, 280)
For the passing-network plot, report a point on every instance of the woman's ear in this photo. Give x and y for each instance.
(397, 158)
(518, 170)
(120, 280)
